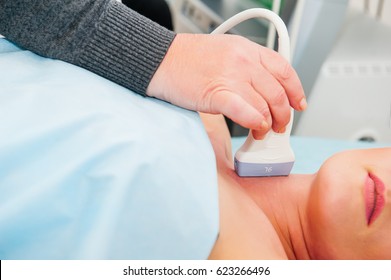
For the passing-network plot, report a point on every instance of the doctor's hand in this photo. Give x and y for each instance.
(252, 85)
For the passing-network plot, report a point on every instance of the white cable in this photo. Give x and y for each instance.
(295, 26)
(283, 37)
(271, 35)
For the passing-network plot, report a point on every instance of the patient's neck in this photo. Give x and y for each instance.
(284, 201)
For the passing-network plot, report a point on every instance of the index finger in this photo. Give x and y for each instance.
(284, 73)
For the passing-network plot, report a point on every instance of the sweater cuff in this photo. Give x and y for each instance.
(126, 48)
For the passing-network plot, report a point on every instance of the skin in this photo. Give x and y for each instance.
(312, 216)
(337, 204)
(230, 75)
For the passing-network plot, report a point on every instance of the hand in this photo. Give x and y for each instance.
(228, 74)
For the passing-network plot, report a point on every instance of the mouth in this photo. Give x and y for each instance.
(374, 197)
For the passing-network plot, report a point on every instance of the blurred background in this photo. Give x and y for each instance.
(341, 50)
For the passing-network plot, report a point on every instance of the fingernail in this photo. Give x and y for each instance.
(264, 125)
(303, 104)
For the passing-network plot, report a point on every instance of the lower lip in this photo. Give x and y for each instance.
(374, 197)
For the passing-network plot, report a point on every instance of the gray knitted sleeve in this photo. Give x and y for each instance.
(102, 36)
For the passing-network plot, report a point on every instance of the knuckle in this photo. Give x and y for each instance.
(239, 51)
(240, 58)
(266, 113)
(280, 98)
(286, 71)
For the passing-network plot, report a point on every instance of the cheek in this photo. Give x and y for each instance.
(334, 213)
(334, 197)
(337, 225)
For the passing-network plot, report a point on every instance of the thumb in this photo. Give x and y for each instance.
(238, 110)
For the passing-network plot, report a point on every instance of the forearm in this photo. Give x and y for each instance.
(102, 36)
